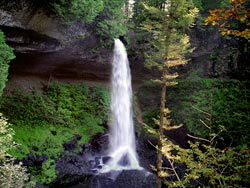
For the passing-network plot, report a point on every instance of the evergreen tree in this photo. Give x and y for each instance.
(110, 23)
(166, 22)
(78, 10)
(106, 18)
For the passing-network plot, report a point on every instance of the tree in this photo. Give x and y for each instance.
(234, 20)
(110, 23)
(207, 165)
(105, 17)
(167, 21)
(11, 175)
(6, 55)
(78, 10)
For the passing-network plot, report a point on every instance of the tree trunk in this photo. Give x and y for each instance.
(126, 10)
(160, 138)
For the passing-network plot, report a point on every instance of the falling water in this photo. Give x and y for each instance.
(122, 147)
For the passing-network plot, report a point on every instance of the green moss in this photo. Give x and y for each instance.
(48, 172)
(44, 121)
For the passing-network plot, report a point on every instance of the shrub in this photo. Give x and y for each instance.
(105, 17)
(6, 55)
(227, 101)
(11, 175)
(44, 121)
(74, 10)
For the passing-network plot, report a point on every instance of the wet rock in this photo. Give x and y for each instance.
(99, 167)
(45, 46)
(34, 160)
(125, 179)
(124, 161)
(71, 168)
(86, 147)
(97, 160)
(92, 164)
(72, 144)
(99, 143)
(106, 159)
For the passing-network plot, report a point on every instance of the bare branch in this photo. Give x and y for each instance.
(173, 168)
(198, 138)
(204, 124)
(201, 111)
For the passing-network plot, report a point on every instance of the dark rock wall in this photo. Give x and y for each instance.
(46, 47)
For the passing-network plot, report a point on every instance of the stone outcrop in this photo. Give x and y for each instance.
(47, 47)
(28, 22)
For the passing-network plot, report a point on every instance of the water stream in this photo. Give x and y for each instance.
(122, 148)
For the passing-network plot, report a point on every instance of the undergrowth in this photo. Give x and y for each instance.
(216, 113)
(226, 100)
(44, 121)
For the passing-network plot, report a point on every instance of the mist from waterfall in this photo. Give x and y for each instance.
(122, 147)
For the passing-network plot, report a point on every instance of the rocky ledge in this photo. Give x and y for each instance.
(48, 48)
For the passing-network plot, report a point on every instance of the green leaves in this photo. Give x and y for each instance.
(78, 10)
(111, 22)
(11, 174)
(6, 138)
(44, 121)
(226, 101)
(6, 55)
(207, 166)
(105, 17)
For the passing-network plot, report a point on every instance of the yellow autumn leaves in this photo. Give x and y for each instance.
(229, 20)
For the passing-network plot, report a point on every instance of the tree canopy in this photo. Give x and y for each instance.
(104, 17)
(234, 20)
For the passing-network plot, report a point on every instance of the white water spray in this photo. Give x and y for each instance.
(122, 147)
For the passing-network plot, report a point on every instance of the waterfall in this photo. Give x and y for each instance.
(122, 147)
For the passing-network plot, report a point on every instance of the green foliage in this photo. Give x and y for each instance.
(44, 121)
(204, 164)
(208, 5)
(227, 101)
(6, 55)
(48, 172)
(14, 175)
(62, 105)
(168, 44)
(105, 17)
(6, 138)
(74, 10)
(11, 175)
(111, 22)
(208, 166)
(109, 30)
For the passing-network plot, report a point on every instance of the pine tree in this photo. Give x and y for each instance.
(167, 21)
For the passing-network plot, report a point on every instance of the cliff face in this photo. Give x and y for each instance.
(47, 47)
